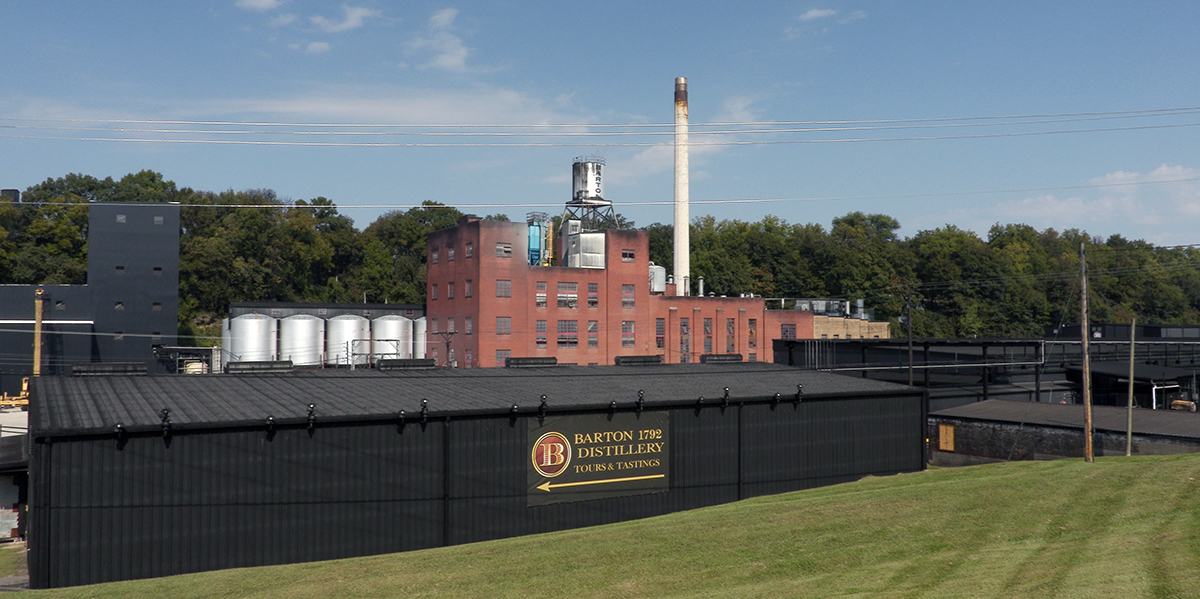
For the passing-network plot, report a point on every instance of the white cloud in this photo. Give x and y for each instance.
(447, 49)
(259, 5)
(817, 13)
(443, 19)
(1157, 206)
(353, 17)
(316, 48)
(854, 16)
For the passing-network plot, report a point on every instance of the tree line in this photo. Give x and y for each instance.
(1016, 282)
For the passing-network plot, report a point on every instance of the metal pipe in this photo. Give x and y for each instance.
(682, 218)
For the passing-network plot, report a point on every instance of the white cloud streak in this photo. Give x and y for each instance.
(259, 5)
(448, 51)
(817, 13)
(353, 17)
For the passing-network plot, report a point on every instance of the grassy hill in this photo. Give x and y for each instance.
(1121, 527)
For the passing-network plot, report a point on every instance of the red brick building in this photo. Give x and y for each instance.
(485, 303)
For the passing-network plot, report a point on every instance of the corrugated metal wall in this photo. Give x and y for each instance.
(107, 509)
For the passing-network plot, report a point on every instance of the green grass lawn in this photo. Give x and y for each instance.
(12, 559)
(1121, 527)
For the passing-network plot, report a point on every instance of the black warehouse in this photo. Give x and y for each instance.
(135, 477)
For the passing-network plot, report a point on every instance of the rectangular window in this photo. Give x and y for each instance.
(470, 250)
(752, 332)
(158, 220)
(593, 295)
(708, 334)
(685, 342)
(787, 331)
(156, 306)
(450, 324)
(468, 325)
(433, 292)
(568, 296)
(504, 250)
(467, 355)
(503, 288)
(433, 326)
(156, 271)
(541, 285)
(121, 218)
(627, 296)
(435, 355)
(503, 325)
(120, 270)
(541, 334)
(450, 290)
(450, 357)
(568, 333)
(626, 255)
(660, 333)
(593, 333)
(433, 256)
(539, 299)
(627, 339)
(450, 254)
(502, 355)
(730, 335)
(467, 288)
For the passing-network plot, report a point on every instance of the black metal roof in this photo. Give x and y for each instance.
(86, 405)
(1169, 423)
(1141, 371)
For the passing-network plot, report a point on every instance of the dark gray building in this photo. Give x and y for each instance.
(135, 477)
(999, 430)
(129, 304)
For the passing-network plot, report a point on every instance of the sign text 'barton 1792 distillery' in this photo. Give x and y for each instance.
(595, 456)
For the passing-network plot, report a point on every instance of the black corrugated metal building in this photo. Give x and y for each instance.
(241, 471)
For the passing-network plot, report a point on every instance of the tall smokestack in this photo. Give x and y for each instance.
(682, 220)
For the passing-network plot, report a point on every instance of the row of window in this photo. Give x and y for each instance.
(568, 295)
(156, 271)
(467, 290)
(503, 250)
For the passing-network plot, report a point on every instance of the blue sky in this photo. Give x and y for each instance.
(81, 79)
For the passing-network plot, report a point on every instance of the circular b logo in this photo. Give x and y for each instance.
(551, 454)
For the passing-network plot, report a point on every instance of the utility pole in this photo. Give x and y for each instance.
(446, 335)
(37, 332)
(1088, 455)
(1129, 416)
(908, 321)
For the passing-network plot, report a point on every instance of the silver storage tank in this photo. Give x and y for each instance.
(419, 331)
(252, 338)
(658, 278)
(347, 336)
(391, 337)
(301, 339)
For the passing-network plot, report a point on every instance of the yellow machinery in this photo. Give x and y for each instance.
(14, 401)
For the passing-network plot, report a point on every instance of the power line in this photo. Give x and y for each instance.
(1064, 115)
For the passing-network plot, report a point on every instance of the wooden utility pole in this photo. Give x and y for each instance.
(37, 332)
(1129, 416)
(908, 321)
(1088, 455)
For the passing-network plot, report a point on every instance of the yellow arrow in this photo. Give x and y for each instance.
(546, 486)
